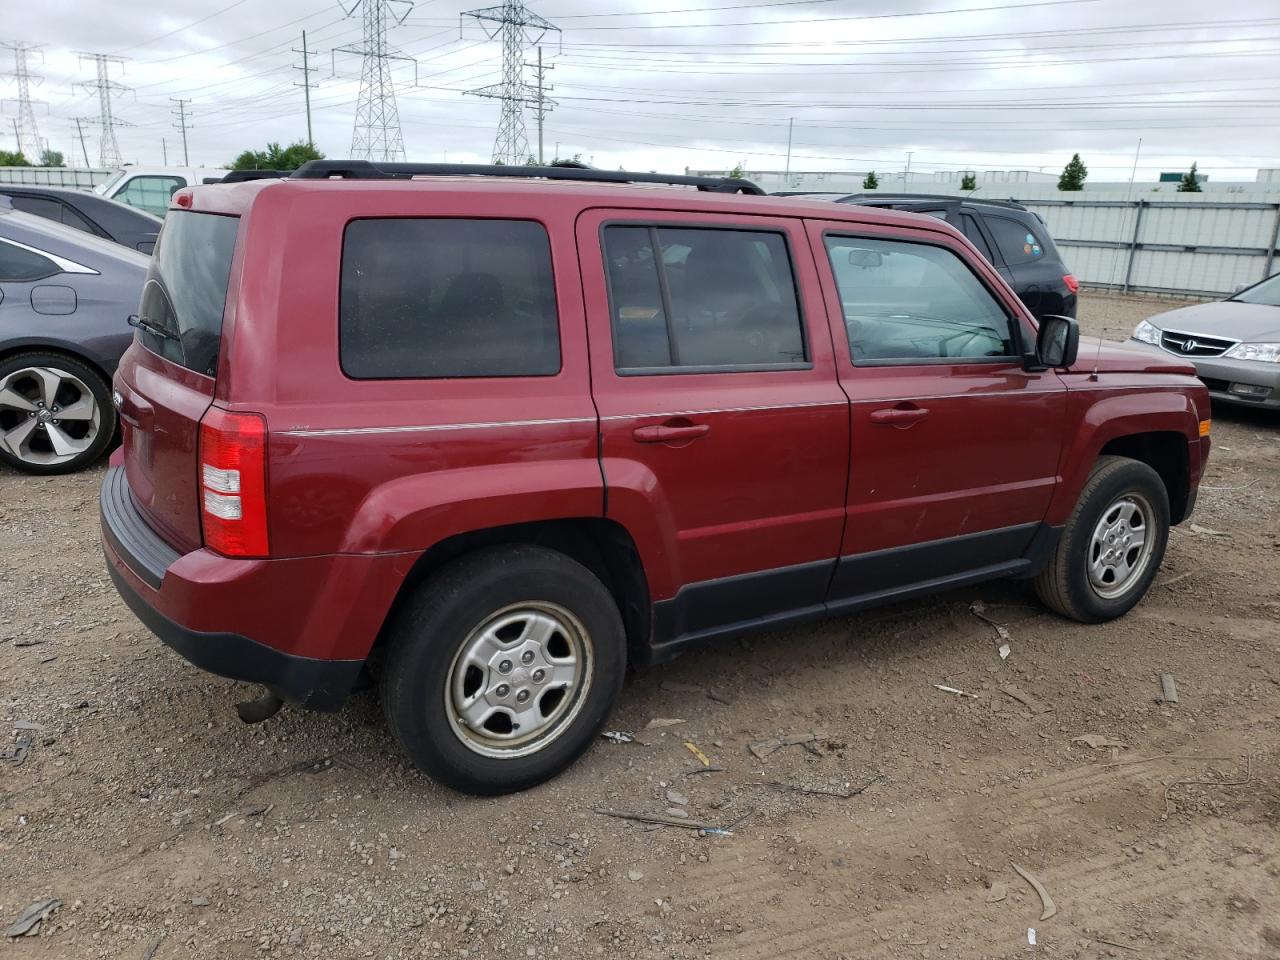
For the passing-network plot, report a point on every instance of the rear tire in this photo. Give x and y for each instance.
(1112, 546)
(502, 668)
(56, 414)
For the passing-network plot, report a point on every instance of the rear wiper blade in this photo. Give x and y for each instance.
(149, 325)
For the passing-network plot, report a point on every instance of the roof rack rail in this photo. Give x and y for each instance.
(909, 197)
(365, 170)
(241, 176)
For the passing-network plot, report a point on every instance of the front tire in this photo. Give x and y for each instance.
(503, 668)
(1112, 546)
(56, 414)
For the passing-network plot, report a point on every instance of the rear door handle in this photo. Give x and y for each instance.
(662, 433)
(899, 416)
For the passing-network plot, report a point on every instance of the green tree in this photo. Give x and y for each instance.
(737, 173)
(51, 158)
(275, 158)
(1190, 182)
(870, 181)
(969, 182)
(9, 159)
(1073, 174)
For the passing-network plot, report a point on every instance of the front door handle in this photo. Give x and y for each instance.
(899, 416)
(662, 433)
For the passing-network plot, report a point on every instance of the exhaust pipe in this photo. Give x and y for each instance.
(264, 708)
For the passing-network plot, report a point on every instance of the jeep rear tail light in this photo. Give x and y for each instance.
(233, 483)
(1072, 283)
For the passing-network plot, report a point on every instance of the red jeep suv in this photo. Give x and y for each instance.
(484, 435)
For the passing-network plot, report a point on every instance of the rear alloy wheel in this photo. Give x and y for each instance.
(55, 414)
(502, 668)
(1112, 546)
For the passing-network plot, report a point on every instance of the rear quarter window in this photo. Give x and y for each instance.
(1018, 243)
(431, 298)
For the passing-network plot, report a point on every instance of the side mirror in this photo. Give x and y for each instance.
(861, 257)
(1057, 343)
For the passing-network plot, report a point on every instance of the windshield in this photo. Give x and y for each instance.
(186, 289)
(1267, 292)
(102, 188)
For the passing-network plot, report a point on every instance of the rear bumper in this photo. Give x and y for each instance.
(302, 627)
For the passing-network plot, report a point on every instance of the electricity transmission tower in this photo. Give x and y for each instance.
(26, 131)
(180, 118)
(109, 149)
(520, 27)
(376, 135)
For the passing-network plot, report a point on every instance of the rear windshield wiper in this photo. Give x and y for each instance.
(149, 325)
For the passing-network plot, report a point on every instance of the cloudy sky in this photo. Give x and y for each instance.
(701, 83)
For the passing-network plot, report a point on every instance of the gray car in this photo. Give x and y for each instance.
(65, 302)
(1234, 343)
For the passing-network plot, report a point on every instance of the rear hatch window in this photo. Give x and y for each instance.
(186, 289)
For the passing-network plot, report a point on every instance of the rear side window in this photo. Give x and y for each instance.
(1018, 243)
(912, 302)
(18, 265)
(186, 289)
(39, 206)
(435, 298)
(701, 298)
(973, 232)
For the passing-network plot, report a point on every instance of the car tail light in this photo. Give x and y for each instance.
(1072, 283)
(233, 483)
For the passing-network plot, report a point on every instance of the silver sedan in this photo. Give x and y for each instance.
(1234, 343)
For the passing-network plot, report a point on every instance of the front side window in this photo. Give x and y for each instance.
(911, 302)
(19, 265)
(701, 298)
(1018, 243)
(432, 298)
(150, 193)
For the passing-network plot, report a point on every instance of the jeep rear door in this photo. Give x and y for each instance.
(724, 433)
(954, 444)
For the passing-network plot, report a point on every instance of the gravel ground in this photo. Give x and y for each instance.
(168, 829)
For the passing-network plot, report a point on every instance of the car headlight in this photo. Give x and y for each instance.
(1266, 352)
(1147, 333)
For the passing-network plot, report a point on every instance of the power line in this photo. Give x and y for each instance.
(519, 27)
(25, 130)
(376, 132)
(109, 149)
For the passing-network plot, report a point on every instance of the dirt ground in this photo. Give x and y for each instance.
(169, 829)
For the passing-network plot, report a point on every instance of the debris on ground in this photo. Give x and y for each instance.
(1046, 901)
(29, 725)
(1097, 741)
(151, 950)
(28, 922)
(678, 798)
(635, 876)
(28, 641)
(978, 609)
(660, 819)
(618, 736)
(1168, 689)
(1024, 698)
(702, 757)
(960, 693)
(709, 769)
(17, 751)
(996, 892)
(657, 723)
(763, 748)
(1206, 532)
(1248, 776)
(821, 791)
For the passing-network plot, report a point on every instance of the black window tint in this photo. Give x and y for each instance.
(425, 298)
(1018, 243)
(186, 289)
(701, 298)
(38, 206)
(17, 264)
(72, 219)
(911, 301)
(969, 224)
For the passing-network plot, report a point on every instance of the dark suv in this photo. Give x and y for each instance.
(1014, 239)
(486, 439)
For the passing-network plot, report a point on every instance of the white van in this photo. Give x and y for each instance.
(149, 188)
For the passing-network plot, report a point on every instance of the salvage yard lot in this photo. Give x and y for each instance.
(160, 821)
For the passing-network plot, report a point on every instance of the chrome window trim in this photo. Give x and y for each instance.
(62, 263)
